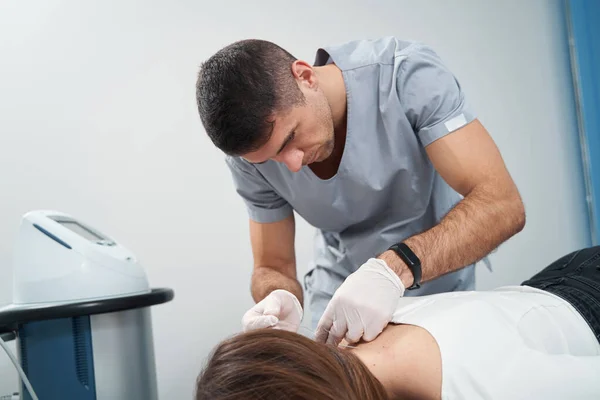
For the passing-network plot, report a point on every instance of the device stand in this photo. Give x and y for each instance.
(99, 349)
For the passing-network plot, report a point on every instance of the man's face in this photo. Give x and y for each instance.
(302, 135)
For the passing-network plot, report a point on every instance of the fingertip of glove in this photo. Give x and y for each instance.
(370, 336)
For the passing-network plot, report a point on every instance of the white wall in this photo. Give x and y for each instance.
(98, 119)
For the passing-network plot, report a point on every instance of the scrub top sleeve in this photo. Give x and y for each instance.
(430, 94)
(263, 204)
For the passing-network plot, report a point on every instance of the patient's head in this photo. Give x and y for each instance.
(275, 364)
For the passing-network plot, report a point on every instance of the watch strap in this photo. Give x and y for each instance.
(412, 262)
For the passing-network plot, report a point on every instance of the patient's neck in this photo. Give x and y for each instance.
(406, 360)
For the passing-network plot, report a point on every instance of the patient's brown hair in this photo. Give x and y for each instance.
(275, 364)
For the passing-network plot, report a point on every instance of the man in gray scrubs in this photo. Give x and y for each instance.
(374, 145)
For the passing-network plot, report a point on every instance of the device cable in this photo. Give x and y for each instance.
(19, 369)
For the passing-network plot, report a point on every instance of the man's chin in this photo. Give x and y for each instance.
(318, 159)
(324, 156)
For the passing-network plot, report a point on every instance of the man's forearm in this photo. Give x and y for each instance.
(471, 230)
(266, 279)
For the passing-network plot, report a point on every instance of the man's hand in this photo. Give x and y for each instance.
(362, 306)
(275, 289)
(279, 310)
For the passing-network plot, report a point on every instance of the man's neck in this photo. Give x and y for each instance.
(331, 81)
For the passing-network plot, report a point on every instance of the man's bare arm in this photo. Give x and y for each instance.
(274, 258)
(490, 213)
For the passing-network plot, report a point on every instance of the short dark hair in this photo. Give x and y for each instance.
(239, 89)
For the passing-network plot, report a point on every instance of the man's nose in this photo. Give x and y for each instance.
(292, 159)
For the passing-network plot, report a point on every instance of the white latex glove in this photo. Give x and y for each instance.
(280, 310)
(362, 306)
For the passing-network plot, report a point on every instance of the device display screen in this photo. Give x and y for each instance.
(81, 230)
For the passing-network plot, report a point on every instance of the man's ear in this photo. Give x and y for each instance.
(304, 73)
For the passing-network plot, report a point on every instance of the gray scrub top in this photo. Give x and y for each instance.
(400, 98)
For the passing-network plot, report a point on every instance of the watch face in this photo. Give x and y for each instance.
(413, 258)
(412, 261)
(409, 255)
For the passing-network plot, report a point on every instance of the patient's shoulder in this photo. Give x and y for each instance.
(407, 361)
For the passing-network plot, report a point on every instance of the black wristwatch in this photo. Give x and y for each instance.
(411, 260)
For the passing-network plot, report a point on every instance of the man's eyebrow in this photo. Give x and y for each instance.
(289, 137)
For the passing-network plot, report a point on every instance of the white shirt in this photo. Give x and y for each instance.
(514, 342)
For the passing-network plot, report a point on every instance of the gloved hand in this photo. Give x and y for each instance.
(362, 306)
(280, 310)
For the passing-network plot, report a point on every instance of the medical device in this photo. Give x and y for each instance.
(80, 313)
(58, 258)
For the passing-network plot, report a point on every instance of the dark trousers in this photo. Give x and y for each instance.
(575, 278)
